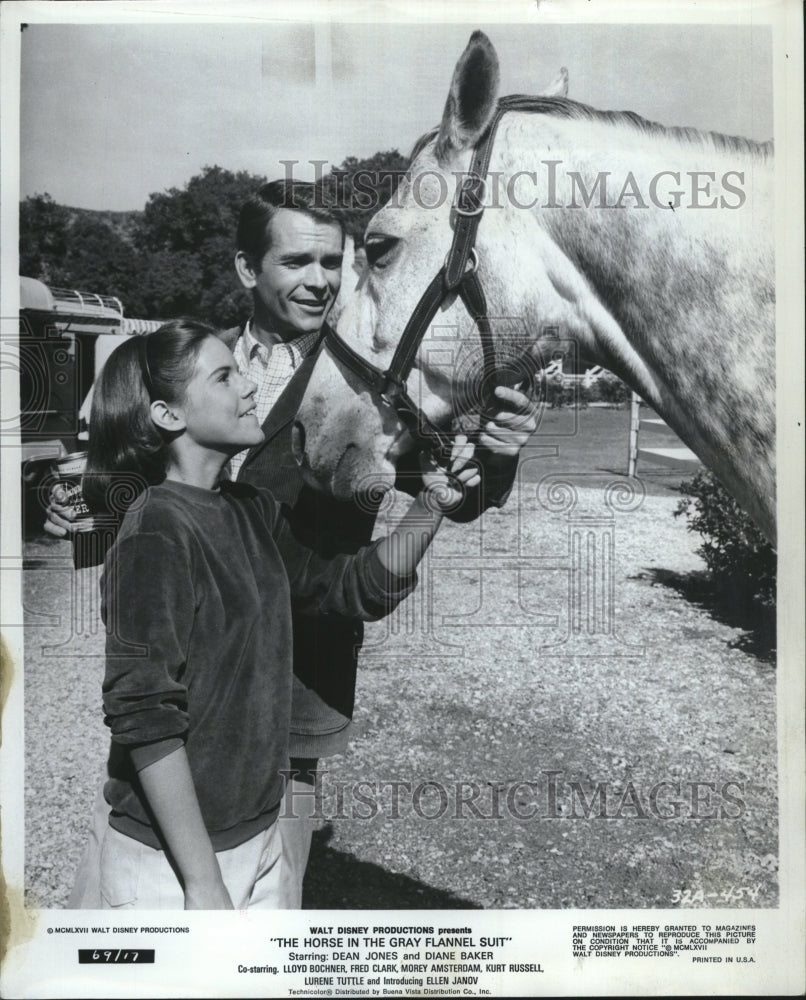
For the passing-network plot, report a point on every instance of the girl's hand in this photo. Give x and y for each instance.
(211, 897)
(171, 794)
(401, 551)
(509, 429)
(446, 488)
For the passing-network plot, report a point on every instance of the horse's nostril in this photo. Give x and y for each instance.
(298, 442)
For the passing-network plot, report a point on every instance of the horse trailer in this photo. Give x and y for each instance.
(65, 336)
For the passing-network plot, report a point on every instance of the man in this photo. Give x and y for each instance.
(289, 256)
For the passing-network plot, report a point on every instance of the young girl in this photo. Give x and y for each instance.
(197, 594)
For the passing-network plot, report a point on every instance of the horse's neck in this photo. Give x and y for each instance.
(683, 304)
(688, 290)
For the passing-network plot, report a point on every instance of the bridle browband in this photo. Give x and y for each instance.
(458, 275)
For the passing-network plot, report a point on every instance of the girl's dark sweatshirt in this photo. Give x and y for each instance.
(197, 594)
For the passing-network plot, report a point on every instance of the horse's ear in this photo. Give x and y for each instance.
(558, 86)
(471, 99)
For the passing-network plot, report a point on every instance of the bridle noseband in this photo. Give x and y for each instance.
(458, 275)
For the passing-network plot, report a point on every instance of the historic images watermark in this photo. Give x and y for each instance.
(550, 795)
(551, 185)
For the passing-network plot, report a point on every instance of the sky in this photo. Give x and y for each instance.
(112, 113)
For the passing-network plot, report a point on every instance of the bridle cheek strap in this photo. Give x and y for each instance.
(390, 385)
(457, 276)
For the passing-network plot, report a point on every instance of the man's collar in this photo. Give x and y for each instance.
(301, 345)
(250, 341)
(304, 344)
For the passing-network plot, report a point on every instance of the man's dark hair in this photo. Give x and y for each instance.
(260, 208)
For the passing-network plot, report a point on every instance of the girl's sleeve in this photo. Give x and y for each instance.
(352, 586)
(148, 608)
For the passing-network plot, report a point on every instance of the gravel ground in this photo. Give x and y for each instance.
(502, 716)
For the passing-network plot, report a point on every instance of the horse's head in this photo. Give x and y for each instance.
(346, 438)
(579, 239)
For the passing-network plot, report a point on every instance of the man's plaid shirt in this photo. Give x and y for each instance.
(271, 368)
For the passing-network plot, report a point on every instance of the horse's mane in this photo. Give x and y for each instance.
(422, 142)
(564, 107)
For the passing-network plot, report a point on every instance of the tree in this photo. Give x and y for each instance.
(171, 285)
(98, 260)
(43, 238)
(188, 235)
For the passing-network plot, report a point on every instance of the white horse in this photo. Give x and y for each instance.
(651, 247)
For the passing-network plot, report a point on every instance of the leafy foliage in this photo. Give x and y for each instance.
(172, 259)
(68, 248)
(188, 238)
(171, 285)
(43, 239)
(741, 561)
(97, 258)
(608, 388)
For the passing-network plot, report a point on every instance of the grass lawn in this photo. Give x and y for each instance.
(595, 439)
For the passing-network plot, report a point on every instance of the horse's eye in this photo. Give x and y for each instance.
(379, 249)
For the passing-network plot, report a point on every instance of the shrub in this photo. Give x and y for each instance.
(739, 558)
(611, 390)
(559, 392)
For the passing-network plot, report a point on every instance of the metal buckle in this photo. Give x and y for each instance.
(473, 260)
(395, 388)
(469, 189)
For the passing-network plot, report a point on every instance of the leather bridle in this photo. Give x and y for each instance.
(458, 275)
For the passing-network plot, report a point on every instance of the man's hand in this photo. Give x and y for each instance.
(447, 487)
(509, 429)
(61, 520)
